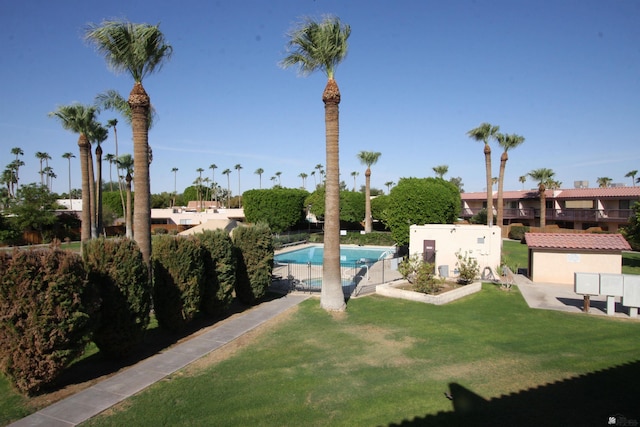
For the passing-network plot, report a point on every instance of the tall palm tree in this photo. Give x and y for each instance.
(485, 132)
(507, 142)
(199, 187)
(543, 177)
(175, 176)
(238, 167)
(354, 174)
(126, 163)
(278, 174)
(315, 183)
(368, 158)
(227, 172)
(259, 172)
(213, 168)
(441, 170)
(41, 155)
(304, 179)
(17, 151)
(522, 179)
(110, 158)
(322, 46)
(68, 156)
(99, 135)
(388, 185)
(80, 119)
(604, 181)
(632, 175)
(114, 101)
(50, 177)
(140, 50)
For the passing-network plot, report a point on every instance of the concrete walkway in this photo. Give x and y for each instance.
(95, 399)
(550, 296)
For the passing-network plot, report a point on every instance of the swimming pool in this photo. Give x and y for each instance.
(348, 255)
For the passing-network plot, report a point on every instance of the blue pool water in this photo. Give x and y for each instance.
(348, 255)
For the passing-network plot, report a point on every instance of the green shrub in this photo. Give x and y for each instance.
(178, 280)
(426, 281)
(254, 252)
(45, 315)
(116, 268)
(517, 232)
(281, 208)
(220, 271)
(468, 268)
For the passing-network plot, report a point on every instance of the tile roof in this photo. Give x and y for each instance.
(581, 241)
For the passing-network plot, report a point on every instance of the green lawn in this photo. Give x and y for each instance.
(389, 362)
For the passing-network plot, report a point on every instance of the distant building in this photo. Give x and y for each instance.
(577, 208)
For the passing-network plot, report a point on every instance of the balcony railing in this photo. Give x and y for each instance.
(582, 215)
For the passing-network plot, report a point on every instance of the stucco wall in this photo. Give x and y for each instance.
(482, 242)
(558, 266)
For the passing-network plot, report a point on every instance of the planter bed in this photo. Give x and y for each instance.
(392, 290)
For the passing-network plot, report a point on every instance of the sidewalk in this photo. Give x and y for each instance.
(548, 296)
(95, 399)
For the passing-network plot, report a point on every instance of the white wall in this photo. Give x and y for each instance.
(554, 266)
(482, 242)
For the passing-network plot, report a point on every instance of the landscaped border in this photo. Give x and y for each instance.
(391, 290)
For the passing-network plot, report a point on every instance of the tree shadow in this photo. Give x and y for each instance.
(606, 397)
(155, 340)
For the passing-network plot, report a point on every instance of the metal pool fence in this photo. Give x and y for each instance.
(357, 278)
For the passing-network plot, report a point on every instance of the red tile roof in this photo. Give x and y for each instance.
(581, 241)
(570, 193)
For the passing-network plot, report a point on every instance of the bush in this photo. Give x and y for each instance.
(220, 271)
(517, 232)
(420, 201)
(178, 280)
(116, 268)
(254, 252)
(420, 274)
(45, 315)
(280, 208)
(468, 268)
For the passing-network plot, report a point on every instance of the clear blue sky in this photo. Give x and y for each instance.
(418, 75)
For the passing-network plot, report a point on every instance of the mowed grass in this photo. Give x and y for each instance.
(388, 361)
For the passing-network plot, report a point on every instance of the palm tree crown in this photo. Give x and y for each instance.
(138, 49)
(544, 178)
(485, 132)
(507, 142)
(318, 46)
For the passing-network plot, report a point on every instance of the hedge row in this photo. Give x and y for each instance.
(53, 302)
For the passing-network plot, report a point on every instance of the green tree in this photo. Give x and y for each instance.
(322, 46)
(280, 208)
(420, 201)
(522, 179)
(441, 170)
(259, 172)
(486, 132)
(227, 172)
(81, 119)
(69, 156)
(604, 181)
(368, 158)
(507, 142)
(138, 49)
(34, 208)
(544, 178)
(632, 174)
(632, 231)
(254, 257)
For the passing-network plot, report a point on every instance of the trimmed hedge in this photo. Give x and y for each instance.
(220, 271)
(254, 251)
(116, 268)
(517, 232)
(45, 315)
(178, 280)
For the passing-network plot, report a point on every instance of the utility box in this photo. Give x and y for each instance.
(443, 271)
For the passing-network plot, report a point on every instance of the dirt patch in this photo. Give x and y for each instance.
(386, 351)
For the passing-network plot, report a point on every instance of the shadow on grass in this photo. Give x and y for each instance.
(155, 341)
(628, 261)
(606, 397)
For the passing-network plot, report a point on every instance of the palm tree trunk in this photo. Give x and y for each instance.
(140, 103)
(99, 228)
(487, 161)
(368, 227)
(543, 206)
(332, 297)
(85, 216)
(128, 212)
(503, 164)
(92, 193)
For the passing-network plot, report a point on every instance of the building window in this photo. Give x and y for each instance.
(624, 204)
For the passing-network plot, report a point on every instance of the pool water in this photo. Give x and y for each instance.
(348, 255)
